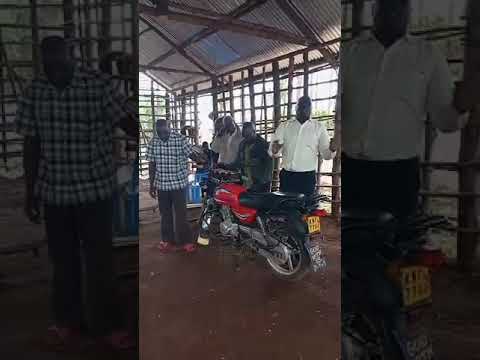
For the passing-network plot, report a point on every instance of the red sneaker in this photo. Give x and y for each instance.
(190, 248)
(166, 247)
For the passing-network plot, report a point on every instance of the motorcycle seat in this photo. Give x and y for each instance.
(368, 216)
(266, 201)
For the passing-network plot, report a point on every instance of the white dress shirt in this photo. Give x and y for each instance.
(387, 93)
(302, 145)
(227, 146)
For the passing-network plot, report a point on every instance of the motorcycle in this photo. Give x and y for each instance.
(283, 228)
(386, 286)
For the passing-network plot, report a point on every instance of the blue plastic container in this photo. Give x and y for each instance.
(201, 177)
(194, 193)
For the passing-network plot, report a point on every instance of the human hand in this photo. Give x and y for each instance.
(32, 209)
(276, 147)
(153, 192)
(333, 145)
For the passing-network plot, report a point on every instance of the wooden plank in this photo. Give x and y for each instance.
(169, 70)
(251, 89)
(306, 65)
(215, 97)
(277, 113)
(242, 100)
(232, 99)
(195, 112)
(291, 66)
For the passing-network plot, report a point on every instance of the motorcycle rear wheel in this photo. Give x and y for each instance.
(297, 263)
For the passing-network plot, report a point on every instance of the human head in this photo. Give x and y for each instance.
(248, 131)
(55, 57)
(304, 109)
(390, 19)
(163, 131)
(218, 125)
(205, 145)
(229, 124)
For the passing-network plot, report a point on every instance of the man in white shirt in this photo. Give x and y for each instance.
(390, 82)
(227, 143)
(301, 141)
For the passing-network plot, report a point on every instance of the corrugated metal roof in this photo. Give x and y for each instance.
(225, 51)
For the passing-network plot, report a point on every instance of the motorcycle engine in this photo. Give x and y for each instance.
(227, 227)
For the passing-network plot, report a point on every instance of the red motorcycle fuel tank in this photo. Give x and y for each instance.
(229, 195)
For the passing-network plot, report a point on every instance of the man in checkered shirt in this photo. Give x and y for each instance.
(67, 117)
(168, 153)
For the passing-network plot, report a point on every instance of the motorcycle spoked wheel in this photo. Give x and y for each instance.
(209, 223)
(360, 339)
(289, 263)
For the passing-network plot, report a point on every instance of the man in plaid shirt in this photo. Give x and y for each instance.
(168, 153)
(67, 117)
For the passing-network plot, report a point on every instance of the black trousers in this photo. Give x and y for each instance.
(261, 188)
(391, 186)
(173, 211)
(298, 182)
(80, 249)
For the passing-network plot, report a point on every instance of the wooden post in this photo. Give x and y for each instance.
(152, 101)
(357, 16)
(427, 171)
(242, 100)
(2, 104)
(195, 113)
(467, 210)
(306, 64)
(264, 102)
(68, 11)
(251, 90)
(168, 113)
(88, 33)
(183, 103)
(291, 66)
(35, 37)
(232, 100)
(277, 113)
(215, 97)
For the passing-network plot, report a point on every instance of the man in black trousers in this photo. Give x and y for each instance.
(67, 117)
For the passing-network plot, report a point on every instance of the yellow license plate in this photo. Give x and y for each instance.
(416, 285)
(313, 224)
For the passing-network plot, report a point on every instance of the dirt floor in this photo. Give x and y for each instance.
(199, 307)
(24, 288)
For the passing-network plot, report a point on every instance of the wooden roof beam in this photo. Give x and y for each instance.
(247, 7)
(177, 47)
(238, 26)
(301, 23)
(170, 70)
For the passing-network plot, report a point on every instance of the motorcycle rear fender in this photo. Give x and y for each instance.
(297, 225)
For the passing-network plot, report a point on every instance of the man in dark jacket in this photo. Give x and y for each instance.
(253, 161)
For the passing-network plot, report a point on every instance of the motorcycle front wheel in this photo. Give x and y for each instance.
(289, 263)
